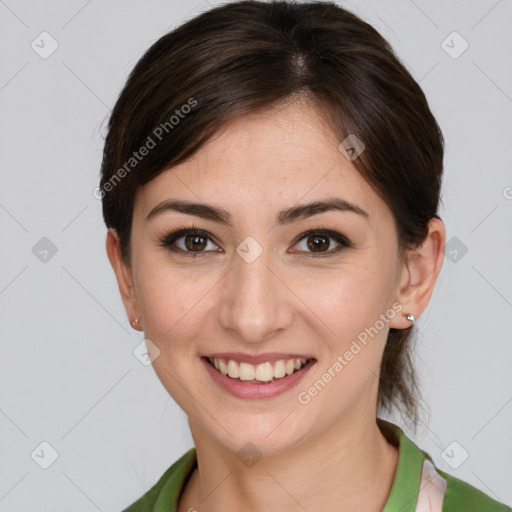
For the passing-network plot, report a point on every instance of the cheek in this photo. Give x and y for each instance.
(172, 301)
(173, 305)
(349, 301)
(347, 312)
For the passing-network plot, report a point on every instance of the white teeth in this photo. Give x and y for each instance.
(279, 369)
(245, 371)
(233, 369)
(264, 372)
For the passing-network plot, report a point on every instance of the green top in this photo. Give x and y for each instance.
(459, 496)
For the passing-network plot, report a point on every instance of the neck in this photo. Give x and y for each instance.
(347, 468)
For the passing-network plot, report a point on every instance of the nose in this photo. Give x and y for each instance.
(255, 302)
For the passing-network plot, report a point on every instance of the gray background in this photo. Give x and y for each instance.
(68, 373)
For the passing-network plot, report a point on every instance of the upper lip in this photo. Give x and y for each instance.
(261, 358)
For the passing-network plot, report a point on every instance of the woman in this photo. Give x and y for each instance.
(271, 182)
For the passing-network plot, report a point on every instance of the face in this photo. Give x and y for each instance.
(307, 284)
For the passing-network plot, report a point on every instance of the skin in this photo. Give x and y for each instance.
(329, 454)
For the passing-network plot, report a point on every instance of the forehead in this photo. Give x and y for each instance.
(263, 162)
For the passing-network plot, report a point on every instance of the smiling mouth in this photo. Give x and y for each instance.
(263, 373)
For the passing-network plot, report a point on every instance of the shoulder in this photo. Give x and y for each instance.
(436, 490)
(463, 497)
(168, 488)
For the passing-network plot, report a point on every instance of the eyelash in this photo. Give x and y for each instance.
(169, 239)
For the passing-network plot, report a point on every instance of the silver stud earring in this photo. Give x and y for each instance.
(410, 317)
(135, 322)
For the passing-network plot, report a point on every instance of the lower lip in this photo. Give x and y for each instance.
(249, 390)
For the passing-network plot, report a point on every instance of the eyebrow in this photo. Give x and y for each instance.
(286, 216)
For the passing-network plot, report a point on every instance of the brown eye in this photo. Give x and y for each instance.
(190, 242)
(318, 243)
(195, 242)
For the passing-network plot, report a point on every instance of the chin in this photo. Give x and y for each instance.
(258, 435)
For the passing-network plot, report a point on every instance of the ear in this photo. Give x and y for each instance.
(124, 278)
(419, 275)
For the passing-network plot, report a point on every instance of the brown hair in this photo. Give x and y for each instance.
(250, 55)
